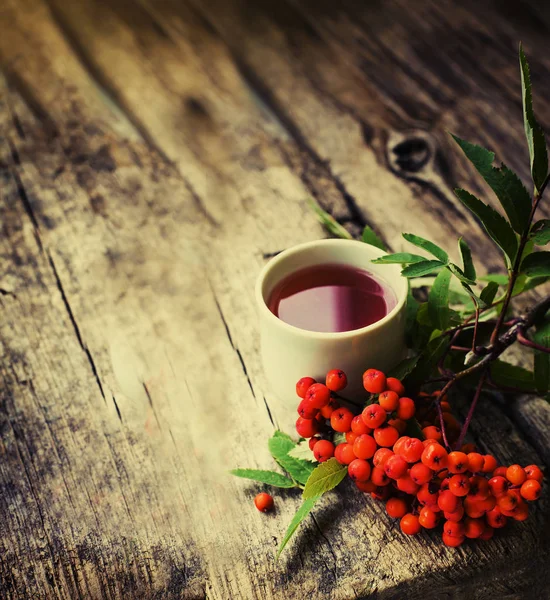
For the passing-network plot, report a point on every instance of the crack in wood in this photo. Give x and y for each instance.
(269, 413)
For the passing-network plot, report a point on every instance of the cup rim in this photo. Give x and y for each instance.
(326, 335)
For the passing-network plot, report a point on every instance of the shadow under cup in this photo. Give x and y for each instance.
(289, 353)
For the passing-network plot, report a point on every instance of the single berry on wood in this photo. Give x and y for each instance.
(263, 502)
(410, 524)
(396, 507)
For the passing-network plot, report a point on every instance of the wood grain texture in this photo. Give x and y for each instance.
(153, 155)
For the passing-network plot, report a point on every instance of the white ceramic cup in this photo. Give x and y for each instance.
(289, 353)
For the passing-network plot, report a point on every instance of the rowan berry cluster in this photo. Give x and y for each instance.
(422, 483)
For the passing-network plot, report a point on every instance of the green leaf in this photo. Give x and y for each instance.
(402, 369)
(533, 131)
(535, 282)
(411, 310)
(279, 446)
(542, 359)
(540, 232)
(489, 292)
(507, 375)
(370, 237)
(459, 274)
(269, 477)
(496, 277)
(536, 264)
(426, 363)
(302, 451)
(300, 515)
(466, 253)
(507, 186)
(329, 222)
(324, 478)
(413, 429)
(430, 247)
(438, 300)
(493, 222)
(420, 269)
(400, 258)
(338, 438)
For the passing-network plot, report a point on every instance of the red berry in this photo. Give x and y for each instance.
(381, 493)
(411, 450)
(458, 462)
(359, 470)
(323, 450)
(530, 489)
(473, 528)
(475, 462)
(263, 502)
(432, 433)
(306, 410)
(381, 457)
(344, 454)
(379, 477)
(340, 420)
(500, 472)
(435, 457)
(399, 424)
(451, 540)
(366, 486)
(410, 524)
(453, 528)
(487, 534)
(428, 518)
(406, 409)
(351, 437)
(386, 436)
(312, 441)
(396, 467)
(388, 400)
(489, 464)
(358, 426)
(306, 428)
(507, 502)
(329, 408)
(495, 518)
(459, 485)
(515, 474)
(456, 515)
(364, 446)
(336, 380)
(374, 381)
(303, 384)
(447, 501)
(399, 446)
(396, 507)
(318, 395)
(407, 485)
(428, 494)
(373, 416)
(534, 472)
(498, 485)
(479, 488)
(420, 473)
(395, 385)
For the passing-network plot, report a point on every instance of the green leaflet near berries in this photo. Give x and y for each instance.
(536, 264)
(324, 478)
(542, 359)
(438, 300)
(269, 477)
(540, 232)
(300, 515)
(370, 237)
(302, 451)
(508, 375)
(279, 446)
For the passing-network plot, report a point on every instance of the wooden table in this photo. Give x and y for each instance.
(153, 155)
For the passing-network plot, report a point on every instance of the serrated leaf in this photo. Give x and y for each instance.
(399, 258)
(302, 451)
(536, 264)
(430, 247)
(533, 132)
(493, 222)
(540, 232)
(489, 292)
(507, 375)
(542, 359)
(507, 186)
(270, 477)
(438, 300)
(279, 446)
(426, 363)
(370, 237)
(466, 254)
(402, 369)
(300, 515)
(420, 269)
(459, 274)
(329, 222)
(324, 478)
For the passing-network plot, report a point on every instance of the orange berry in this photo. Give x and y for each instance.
(507, 502)
(396, 508)
(489, 464)
(467, 448)
(487, 534)
(351, 436)
(344, 454)
(406, 409)
(495, 518)
(534, 472)
(456, 515)
(530, 489)
(451, 540)
(410, 524)
(358, 426)
(445, 406)
(447, 501)
(432, 433)
(366, 486)
(393, 384)
(407, 485)
(388, 400)
(453, 528)
(364, 446)
(386, 436)
(515, 474)
(458, 462)
(428, 518)
(459, 484)
(420, 473)
(263, 502)
(500, 472)
(379, 477)
(473, 528)
(381, 457)
(399, 424)
(475, 462)
(374, 381)
(435, 457)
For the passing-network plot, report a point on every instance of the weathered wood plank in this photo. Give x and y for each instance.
(132, 233)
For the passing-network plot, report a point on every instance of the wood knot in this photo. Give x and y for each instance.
(410, 153)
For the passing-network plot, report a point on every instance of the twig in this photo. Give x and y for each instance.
(527, 342)
(442, 423)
